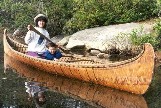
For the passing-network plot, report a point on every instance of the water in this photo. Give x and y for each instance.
(62, 92)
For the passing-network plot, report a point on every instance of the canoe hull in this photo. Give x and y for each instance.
(132, 75)
(95, 95)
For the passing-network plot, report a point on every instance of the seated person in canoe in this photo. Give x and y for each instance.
(36, 43)
(52, 52)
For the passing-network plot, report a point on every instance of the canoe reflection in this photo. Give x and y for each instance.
(36, 93)
(96, 95)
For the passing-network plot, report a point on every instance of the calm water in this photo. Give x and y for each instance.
(17, 79)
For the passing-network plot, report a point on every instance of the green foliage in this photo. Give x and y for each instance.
(5, 13)
(93, 13)
(139, 38)
(157, 28)
(59, 12)
(70, 16)
(21, 19)
(16, 14)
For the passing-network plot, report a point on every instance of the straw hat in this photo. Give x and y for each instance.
(40, 15)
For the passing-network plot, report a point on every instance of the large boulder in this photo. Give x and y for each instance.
(107, 37)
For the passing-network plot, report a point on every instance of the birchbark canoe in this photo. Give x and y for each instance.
(93, 94)
(133, 75)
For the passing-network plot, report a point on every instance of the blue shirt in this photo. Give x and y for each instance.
(47, 55)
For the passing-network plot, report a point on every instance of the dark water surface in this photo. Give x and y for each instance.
(17, 79)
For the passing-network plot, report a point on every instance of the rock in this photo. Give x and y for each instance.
(64, 41)
(101, 55)
(106, 56)
(75, 43)
(107, 37)
(94, 52)
(57, 38)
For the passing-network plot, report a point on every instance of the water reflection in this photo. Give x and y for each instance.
(95, 95)
(53, 99)
(36, 92)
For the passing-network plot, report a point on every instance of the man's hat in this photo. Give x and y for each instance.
(40, 15)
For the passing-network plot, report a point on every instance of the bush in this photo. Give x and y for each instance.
(70, 16)
(16, 14)
(138, 38)
(93, 13)
(59, 12)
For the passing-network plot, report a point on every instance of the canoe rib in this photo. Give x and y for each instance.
(132, 75)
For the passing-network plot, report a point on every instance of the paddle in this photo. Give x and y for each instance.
(41, 35)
